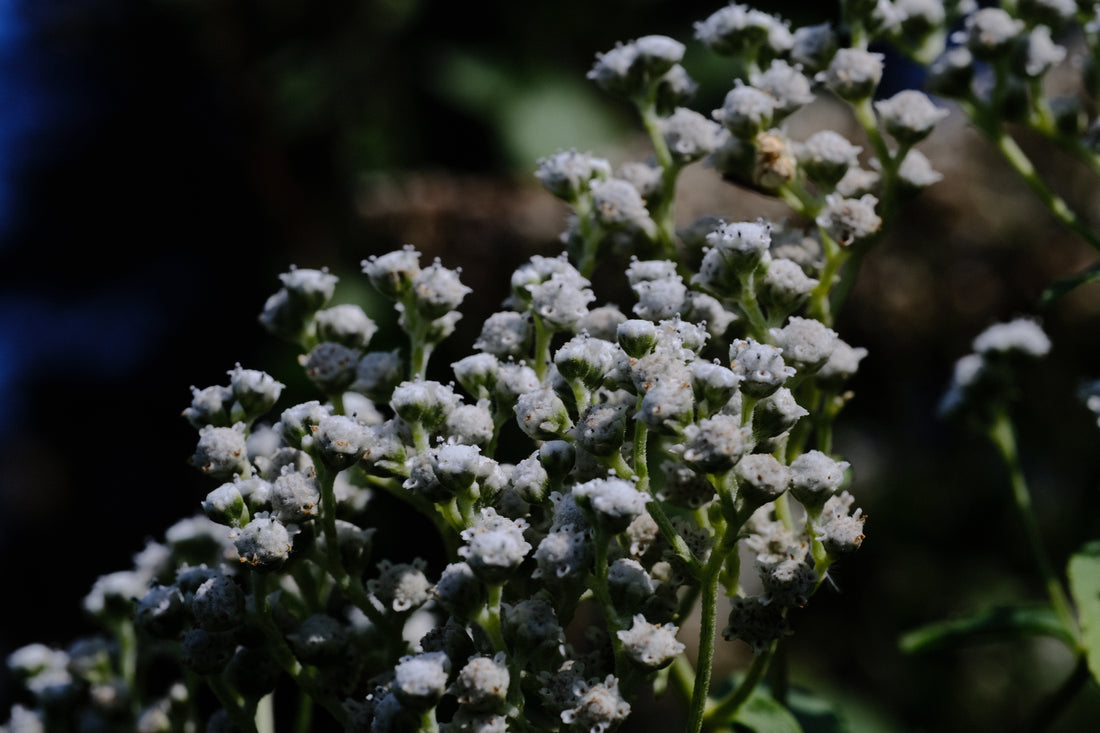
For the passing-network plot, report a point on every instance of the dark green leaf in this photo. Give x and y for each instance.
(1006, 622)
(815, 714)
(1063, 286)
(761, 713)
(1084, 586)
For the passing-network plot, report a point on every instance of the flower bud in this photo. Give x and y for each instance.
(264, 543)
(601, 429)
(340, 441)
(785, 286)
(425, 402)
(437, 290)
(743, 245)
(297, 422)
(909, 116)
(347, 325)
(420, 681)
(761, 478)
(746, 111)
(650, 646)
(826, 156)
(630, 69)
(225, 505)
(617, 204)
(210, 406)
(542, 415)
(990, 33)
(482, 685)
(814, 478)
(610, 503)
(330, 366)
(392, 274)
(840, 532)
(715, 444)
(806, 343)
(689, 135)
(755, 622)
(218, 604)
(668, 405)
(776, 414)
(459, 591)
(567, 173)
(309, 289)
(787, 86)
(532, 631)
(562, 300)
(849, 220)
(221, 452)
(401, 587)
(295, 496)
(599, 706)
(853, 74)
(760, 366)
(495, 546)
(563, 555)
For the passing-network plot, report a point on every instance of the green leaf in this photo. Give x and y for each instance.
(815, 714)
(761, 713)
(1004, 622)
(1084, 585)
(1065, 285)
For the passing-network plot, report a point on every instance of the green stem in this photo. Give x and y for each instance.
(599, 587)
(783, 512)
(835, 257)
(542, 347)
(865, 115)
(641, 451)
(707, 629)
(591, 234)
(1003, 435)
(683, 676)
(1054, 203)
(327, 479)
(723, 711)
(428, 723)
(303, 722)
(758, 324)
(490, 619)
(662, 213)
(990, 124)
(708, 626)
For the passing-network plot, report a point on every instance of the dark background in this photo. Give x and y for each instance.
(162, 162)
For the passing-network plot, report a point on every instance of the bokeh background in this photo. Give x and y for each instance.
(161, 162)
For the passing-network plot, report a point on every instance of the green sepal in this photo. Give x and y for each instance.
(1084, 585)
(1001, 622)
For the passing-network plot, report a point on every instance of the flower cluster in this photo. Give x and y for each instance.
(592, 470)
